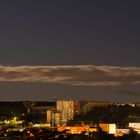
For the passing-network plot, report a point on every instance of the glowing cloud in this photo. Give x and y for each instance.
(87, 75)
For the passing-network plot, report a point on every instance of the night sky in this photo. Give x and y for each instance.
(55, 49)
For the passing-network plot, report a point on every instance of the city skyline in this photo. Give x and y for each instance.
(70, 49)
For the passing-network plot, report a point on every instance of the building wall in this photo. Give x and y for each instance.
(86, 106)
(109, 128)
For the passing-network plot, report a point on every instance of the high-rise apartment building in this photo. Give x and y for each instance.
(68, 109)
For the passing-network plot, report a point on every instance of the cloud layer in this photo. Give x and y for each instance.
(87, 75)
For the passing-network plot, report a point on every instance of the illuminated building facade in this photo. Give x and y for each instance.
(68, 109)
(49, 116)
(109, 128)
(53, 117)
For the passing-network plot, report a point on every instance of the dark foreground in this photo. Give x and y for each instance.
(45, 134)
